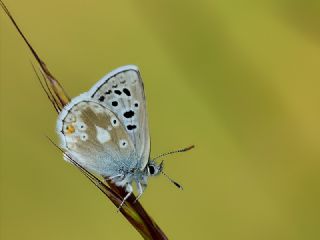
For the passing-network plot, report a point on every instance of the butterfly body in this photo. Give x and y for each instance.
(106, 130)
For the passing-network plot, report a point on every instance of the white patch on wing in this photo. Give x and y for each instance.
(84, 137)
(123, 143)
(114, 122)
(102, 135)
(81, 126)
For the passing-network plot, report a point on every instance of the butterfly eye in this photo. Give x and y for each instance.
(151, 169)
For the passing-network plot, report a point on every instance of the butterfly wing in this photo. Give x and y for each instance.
(122, 92)
(96, 137)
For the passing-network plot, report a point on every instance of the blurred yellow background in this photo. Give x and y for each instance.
(239, 79)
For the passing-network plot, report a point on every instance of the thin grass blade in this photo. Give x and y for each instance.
(132, 210)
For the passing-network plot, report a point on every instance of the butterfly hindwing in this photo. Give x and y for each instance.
(95, 136)
(122, 92)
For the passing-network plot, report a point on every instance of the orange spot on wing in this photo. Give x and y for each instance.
(70, 129)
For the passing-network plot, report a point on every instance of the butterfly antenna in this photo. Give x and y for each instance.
(172, 152)
(169, 178)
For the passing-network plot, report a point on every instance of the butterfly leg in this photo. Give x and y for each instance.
(113, 177)
(141, 189)
(129, 189)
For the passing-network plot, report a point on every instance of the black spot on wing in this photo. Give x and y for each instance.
(126, 91)
(131, 127)
(114, 86)
(108, 92)
(101, 98)
(128, 114)
(114, 103)
(118, 92)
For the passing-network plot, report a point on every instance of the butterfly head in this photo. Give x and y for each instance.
(153, 169)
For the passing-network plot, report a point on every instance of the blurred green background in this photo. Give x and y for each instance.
(239, 79)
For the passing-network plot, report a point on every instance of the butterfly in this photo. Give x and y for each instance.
(106, 131)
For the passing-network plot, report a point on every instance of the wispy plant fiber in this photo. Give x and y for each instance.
(133, 211)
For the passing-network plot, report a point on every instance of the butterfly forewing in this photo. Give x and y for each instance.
(96, 137)
(122, 92)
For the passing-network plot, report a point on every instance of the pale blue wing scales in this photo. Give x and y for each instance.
(122, 92)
